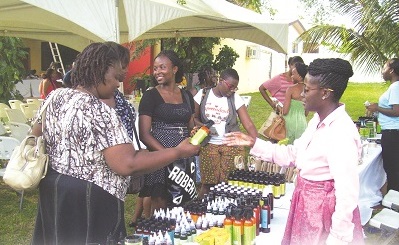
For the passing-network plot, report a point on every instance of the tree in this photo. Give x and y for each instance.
(226, 58)
(371, 41)
(196, 52)
(11, 67)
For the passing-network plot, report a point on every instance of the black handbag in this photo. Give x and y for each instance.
(137, 181)
(180, 181)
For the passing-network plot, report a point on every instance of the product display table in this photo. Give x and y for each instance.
(280, 215)
(372, 177)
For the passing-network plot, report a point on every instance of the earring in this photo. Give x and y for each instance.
(323, 98)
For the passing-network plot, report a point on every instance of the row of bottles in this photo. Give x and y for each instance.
(258, 181)
(242, 211)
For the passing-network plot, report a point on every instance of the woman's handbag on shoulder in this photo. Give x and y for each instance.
(29, 161)
(267, 123)
(276, 131)
(27, 165)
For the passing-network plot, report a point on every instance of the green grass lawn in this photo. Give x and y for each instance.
(16, 226)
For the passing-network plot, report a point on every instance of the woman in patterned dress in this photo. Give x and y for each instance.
(91, 156)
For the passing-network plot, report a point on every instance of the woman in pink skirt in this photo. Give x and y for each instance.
(324, 203)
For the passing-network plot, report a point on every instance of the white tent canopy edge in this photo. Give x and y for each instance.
(76, 23)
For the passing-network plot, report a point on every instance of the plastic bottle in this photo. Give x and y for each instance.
(228, 223)
(276, 188)
(183, 236)
(202, 133)
(176, 237)
(193, 230)
(265, 216)
(248, 235)
(256, 214)
(237, 228)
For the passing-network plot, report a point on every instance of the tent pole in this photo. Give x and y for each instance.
(117, 21)
(121, 89)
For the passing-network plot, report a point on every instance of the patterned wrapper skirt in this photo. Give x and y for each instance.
(309, 219)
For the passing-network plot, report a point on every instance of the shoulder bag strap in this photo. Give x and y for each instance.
(134, 129)
(43, 111)
(137, 137)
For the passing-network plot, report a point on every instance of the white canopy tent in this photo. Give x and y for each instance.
(76, 23)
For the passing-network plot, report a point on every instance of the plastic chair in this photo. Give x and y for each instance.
(29, 110)
(7, 145)
(19, 130)
(15, 115)
(34, 101)
(3, 115)
(3, 130)
(15, 104)
(247, 99)
(387, 220)
(391, 200)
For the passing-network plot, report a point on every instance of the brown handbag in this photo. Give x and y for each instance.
(276, 131)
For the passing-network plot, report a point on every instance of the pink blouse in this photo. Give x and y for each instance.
(330, 149)
(277, 86)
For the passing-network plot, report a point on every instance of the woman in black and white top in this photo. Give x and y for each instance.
(90, 155)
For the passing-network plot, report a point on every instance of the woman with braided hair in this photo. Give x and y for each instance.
(324, 203)
(207, 78)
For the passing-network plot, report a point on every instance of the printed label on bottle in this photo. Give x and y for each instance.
(264, 216)
(237, 235)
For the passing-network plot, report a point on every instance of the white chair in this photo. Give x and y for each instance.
(15, 115)
(387, 220)
(247, 99)
(15, 104)
(3, 115)
(3, 130)
(19, 130)
(29, 110)
(34, 101)
(7, 145)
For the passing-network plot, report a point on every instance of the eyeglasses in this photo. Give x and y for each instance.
(232, 88)
(305, 89)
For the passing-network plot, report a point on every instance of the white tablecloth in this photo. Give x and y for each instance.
(29, 87)
(280, 215)
(372, 177)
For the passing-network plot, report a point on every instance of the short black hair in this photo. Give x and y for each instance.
(229, 72)
(394, 64)
(295, 59)
(302, 69)
(176, 61)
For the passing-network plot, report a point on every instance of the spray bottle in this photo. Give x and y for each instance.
(202, 133)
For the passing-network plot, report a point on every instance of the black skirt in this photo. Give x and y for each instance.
(75, 211)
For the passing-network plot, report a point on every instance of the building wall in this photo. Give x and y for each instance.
(34, 53)
(254, 70)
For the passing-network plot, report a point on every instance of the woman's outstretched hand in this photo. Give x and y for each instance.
(238, 138)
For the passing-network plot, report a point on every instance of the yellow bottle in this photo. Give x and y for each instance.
(202, 133)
